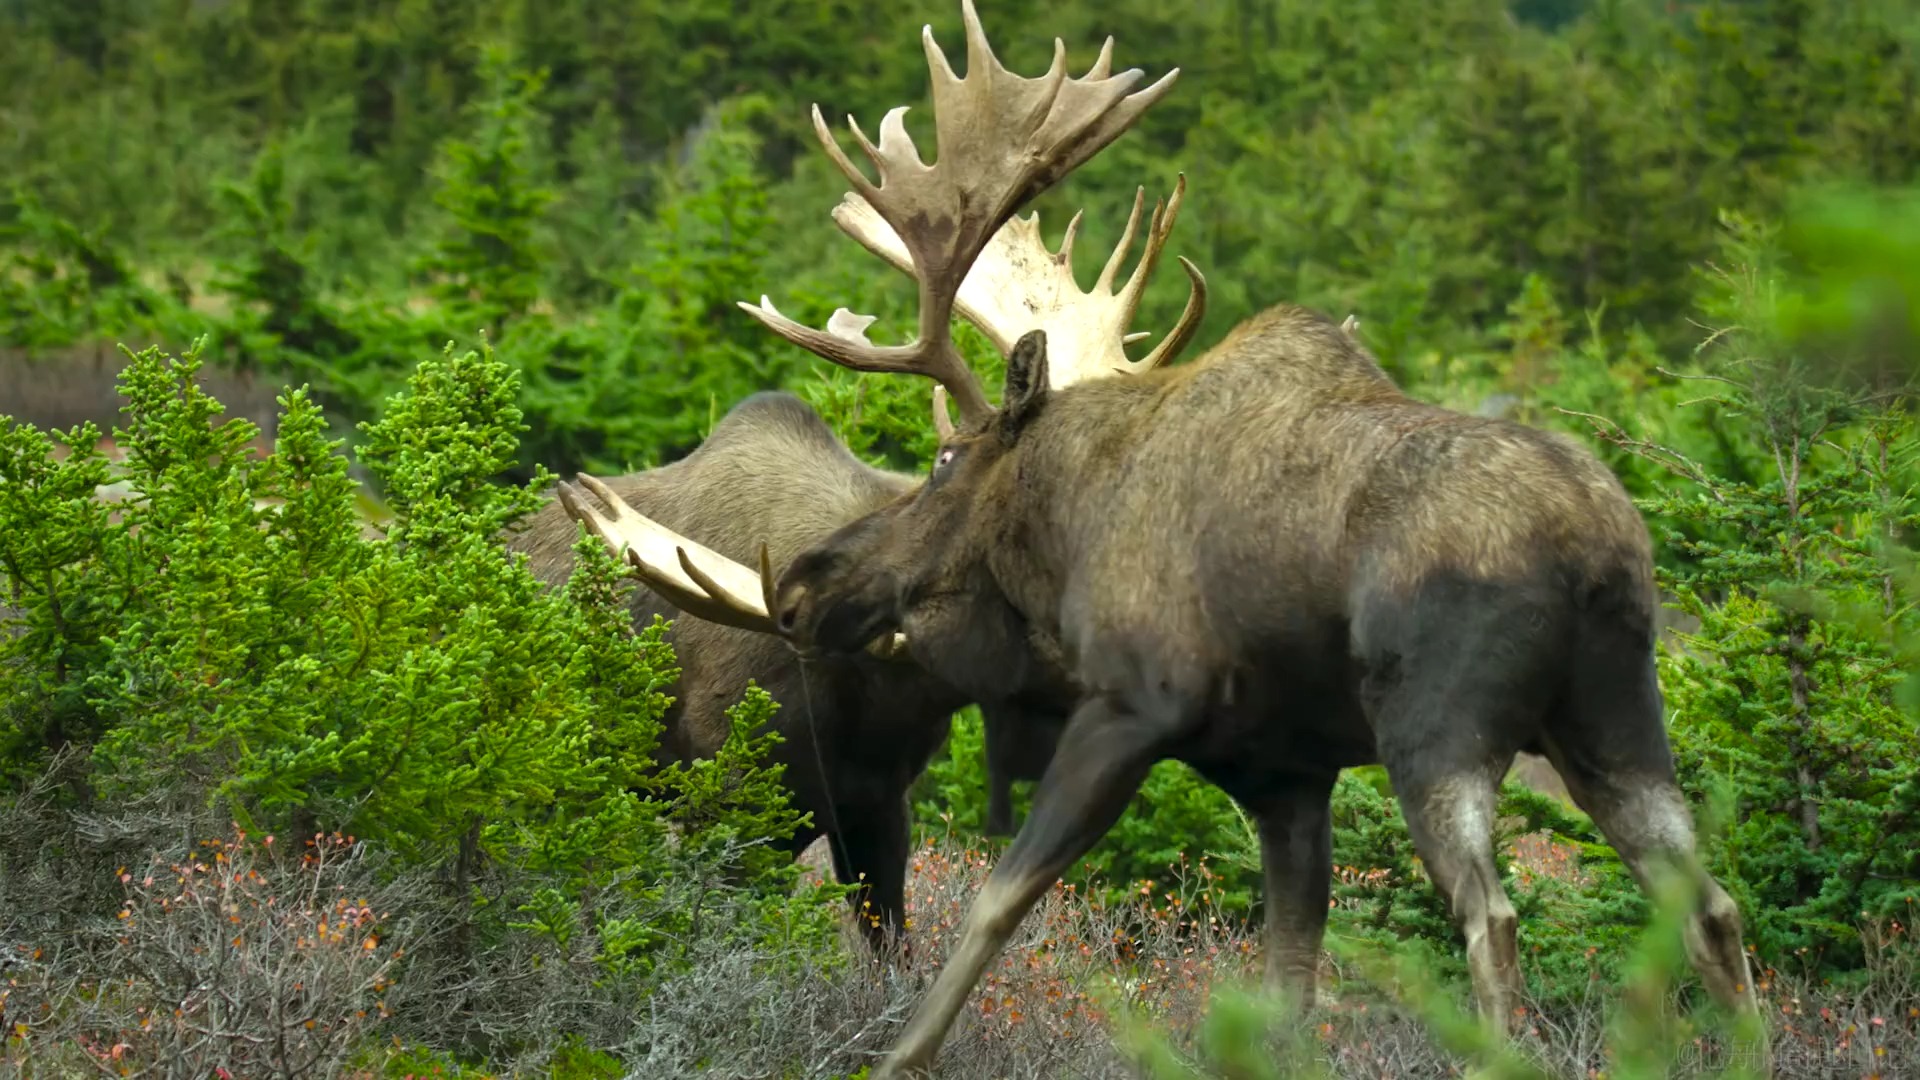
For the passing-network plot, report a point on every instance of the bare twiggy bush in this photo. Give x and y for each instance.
(1076, 971)
(224, 957)
(1047, 1009)
(527, 972)
(240, 956)
(229, 960)
(59, 853)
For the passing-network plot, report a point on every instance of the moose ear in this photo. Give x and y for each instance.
(1026, 389)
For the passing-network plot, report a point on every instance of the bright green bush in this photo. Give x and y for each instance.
(1777, 696)
(234, 636)
(1176, 821)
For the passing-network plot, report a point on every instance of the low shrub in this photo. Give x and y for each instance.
(233, 642)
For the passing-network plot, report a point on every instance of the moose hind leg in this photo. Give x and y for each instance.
(1610, 745)
(1296, 857)
(1103, 757)
(1457, 677)
(1451, 817)
(1647, 822)
(1002, 764)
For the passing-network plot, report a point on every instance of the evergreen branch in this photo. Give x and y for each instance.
(1666, 457)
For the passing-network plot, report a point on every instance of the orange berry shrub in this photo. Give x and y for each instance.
(1161, 983)
(244, 955)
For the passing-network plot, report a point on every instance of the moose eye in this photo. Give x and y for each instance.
(945, 458)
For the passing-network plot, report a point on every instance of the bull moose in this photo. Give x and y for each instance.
(858, 728)
(1269, 563)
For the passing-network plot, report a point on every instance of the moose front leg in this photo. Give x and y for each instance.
(1296, 855)
(871, 850)
(1103, 757)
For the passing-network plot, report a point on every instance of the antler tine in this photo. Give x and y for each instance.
(942, 419)
(1103, 64)
(1002, 140)
(1120, 249)
(1188, 324)
(697, 580)
(686, 574)
(1129, 299)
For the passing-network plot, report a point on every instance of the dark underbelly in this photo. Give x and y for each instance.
(1298, 724)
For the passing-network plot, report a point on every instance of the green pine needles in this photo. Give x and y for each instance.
(237, 634)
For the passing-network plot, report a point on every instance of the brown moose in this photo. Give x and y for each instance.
(858, 728)
(1269, 563)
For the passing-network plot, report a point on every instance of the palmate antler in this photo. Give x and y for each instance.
(1003, 139)
(1018, 284)
(685, 573)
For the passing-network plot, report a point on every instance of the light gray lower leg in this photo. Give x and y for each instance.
(1452, 825)
(1103, 758)
(1646, 820)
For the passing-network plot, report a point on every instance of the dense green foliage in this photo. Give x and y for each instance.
(226, 639)
(1541, 212)
(355, 170)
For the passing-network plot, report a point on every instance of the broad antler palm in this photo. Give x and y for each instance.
(1017, 285)
(1002, 139)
